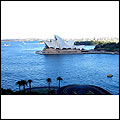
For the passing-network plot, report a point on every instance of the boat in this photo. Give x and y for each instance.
(6, 45)
(110, 75)
(23, 42)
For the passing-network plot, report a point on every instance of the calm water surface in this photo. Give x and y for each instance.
(19, 62)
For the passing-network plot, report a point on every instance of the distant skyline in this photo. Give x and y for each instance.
(68, 19)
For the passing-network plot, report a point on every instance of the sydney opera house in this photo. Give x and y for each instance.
(59, 46)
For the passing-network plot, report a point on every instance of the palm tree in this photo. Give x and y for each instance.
(19, 83)
(29, 81)
(49, 81)
(23, 82)
(59, 78)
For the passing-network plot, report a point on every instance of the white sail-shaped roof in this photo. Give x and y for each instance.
(66, 46)
(54, 43)
(70, 44)
(60, 42)
(48, 43)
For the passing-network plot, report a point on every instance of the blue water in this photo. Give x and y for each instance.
(19, 62)
(88, 47)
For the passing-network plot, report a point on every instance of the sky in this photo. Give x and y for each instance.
(68, 19)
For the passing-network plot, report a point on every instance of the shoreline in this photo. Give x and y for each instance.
(60, 52)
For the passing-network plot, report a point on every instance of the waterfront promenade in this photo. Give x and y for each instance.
(70, 90)
(54, 51)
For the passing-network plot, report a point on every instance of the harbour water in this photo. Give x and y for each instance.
(19, 62)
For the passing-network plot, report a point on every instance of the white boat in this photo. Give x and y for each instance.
(6, 45)
(23, 42)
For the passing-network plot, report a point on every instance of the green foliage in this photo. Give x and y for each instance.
(100, 45)
(52, 92)
(29, 81)
(34, 92)
(6, 91)
(18, 83)
(41, 41)
(59, 78)
(111, 46)
(48, 80)
(90, 42)
(22, 83)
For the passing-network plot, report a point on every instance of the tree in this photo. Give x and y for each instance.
(19, 83)
(29, 81)
(49, 81)
(59, 79)
(24, 83)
